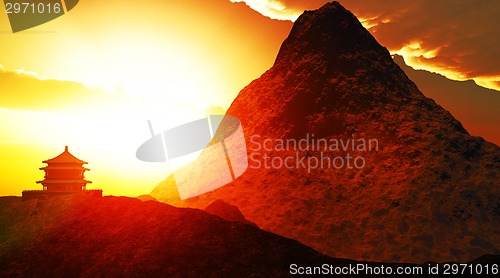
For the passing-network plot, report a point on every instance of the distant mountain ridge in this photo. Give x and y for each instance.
(476, 107)
(431, 192)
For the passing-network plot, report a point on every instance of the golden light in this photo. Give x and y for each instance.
(143, 60)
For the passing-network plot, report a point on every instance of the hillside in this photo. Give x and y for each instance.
(118, 236)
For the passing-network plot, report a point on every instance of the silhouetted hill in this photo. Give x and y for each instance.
(227, 212)
(146, 198)
(124, 237)
(118, 236)
(429, 192)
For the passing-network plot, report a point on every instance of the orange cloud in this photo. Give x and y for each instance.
(453, 38)
(25, 90)
(274, 9)
(282, 9)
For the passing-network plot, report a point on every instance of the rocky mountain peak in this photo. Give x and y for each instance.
(331, 31)
(329, 78)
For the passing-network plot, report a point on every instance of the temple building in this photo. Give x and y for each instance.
(64, 174)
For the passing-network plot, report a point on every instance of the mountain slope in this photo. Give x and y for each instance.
(429, 191)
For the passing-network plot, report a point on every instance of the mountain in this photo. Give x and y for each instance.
(420, 188)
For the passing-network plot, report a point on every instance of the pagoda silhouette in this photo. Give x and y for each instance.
(64, 175)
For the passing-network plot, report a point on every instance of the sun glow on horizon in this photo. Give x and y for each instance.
(92, 78)
(107, 142)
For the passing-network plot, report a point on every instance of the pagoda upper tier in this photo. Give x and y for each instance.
(64, 173)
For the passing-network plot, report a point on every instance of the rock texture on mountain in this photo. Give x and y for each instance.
(430, 191)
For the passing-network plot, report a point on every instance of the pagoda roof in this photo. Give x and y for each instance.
(63, 181)
(51, 167)
(65, 157)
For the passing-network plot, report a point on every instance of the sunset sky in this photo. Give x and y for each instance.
(93, 77)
